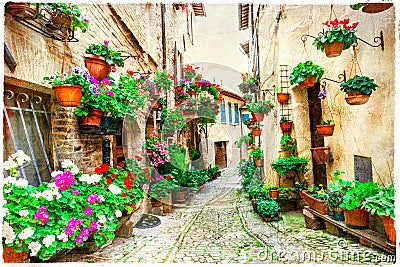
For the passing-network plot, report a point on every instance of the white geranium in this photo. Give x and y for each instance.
(8, 233)
(10, 164)
(47, 194)
(101, 198)
(66, 164)
(114, 189)
(20, 157)
(21, 183)
(48, 240)
(118, 213)
(95, 178)
(62, 237)
(84, 178)
(52, 186)
(23, 213)
(102, 219)
(6, 211)
(34, 247)
(55, 173)
(10, 180)
(8, 190)
(74, 170)
(26, 233)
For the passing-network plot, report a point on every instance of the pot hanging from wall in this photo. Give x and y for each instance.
(334, 49)
(92, 119)
(321, 154)
(97, 66)
(68, 95)
(356, 98)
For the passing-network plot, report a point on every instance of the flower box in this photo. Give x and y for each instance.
(326, 130)
(315, 204)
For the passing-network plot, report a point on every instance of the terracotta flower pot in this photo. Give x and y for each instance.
(356, 218)
(273, 193)
(93, 118)
(356, 98)
(257, 117)
(181, 196)
(10, 256)
(97, 66)
(61, 20)
(313, 203)
(320, 154)
(68, 95)
(286, 126)
(309, 82)
(334, 49)
(259, 162)
(19, 10)
(376, 7)
(256, 132)
(326, 130)
(282, 97)
(388, 224)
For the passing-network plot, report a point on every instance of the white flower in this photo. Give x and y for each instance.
(8, 233)
(102, 219)
(21, 183)
(84, 178)
(10, 164)
(62, 236)
(20, 157)
(55, 173)
(66, 164)
(101, 198)
(114, 189)
(52, 186)
(74, 170)
(10, 180)
(23, 213)
(5, 211)
(34, 247)
(118, 213)
(95, 178)
(47, 194)
(8, 190)
(58, 196)
(26, 233)
(48, 240)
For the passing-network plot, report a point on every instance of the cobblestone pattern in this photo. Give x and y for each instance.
(218, 225)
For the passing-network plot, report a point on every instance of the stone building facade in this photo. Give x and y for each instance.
(363, 141)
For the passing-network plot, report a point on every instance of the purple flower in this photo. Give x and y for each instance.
(75, 192)
(71, 226)
(105, 81)
(76, 70)
(64, 180)
(110, 93)
(93, 198)
(93, 80)
(106, 42)
(96, 91)
(80, 237)
(42, 215)
(52, 77)
(86, 74)
(93, 226)
(322, 94)
(88, 211)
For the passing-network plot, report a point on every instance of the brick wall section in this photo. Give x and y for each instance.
(83, 149)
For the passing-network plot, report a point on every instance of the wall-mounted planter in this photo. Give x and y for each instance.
(92, 119)
(258, 117)
(282, 97)
(97, 66)
(309, 82)
(326, 130)
(286, 126)
(256, 132)
(68, 95)
(320, 154)
(334, 49)
(356, 98)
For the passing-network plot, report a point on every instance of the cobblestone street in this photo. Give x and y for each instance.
(218, 225)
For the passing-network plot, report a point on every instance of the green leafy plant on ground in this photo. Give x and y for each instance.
(381, 203)
(268, 207)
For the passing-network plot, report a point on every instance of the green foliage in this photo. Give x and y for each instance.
(246, 169)
(334, 193)
(316, 191)
(304, 70)
(255, 191)
(249, 85)
(245, 139)
(163, 80)
(358, 83)
(257, 153)
(248, 96)
(73, 11)
(268, 207)
(194, 154)
(268, 187)
(356, 195)
(284, 165)
(196, 178)
(262, 106)
(356, 6)
(284, 119)
(326, 122)
(172, 120)
(381, 203)
(78, 77)
(288, 193)
(288, 143)
(112, 57)
(337, 34)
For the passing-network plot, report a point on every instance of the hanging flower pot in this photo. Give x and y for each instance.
(273, 193)
(256, 131)
(61, 20)
(282, 97)
(97, 66)
(326, 130)
(375, 7)
(334, 49)
(356, 98)
(258, 117)
(388, 224)
(320, 154)
(259, 162)
(308, 82)
(111, 125)
(286, 126)
(356, 218)
(19, 10)
(68, 95)
(93, 118)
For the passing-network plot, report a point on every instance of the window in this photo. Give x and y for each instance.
(223, 112)
(236, 107)
(230, 112)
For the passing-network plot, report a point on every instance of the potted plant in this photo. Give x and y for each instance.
(285, 124)
(247, 98)
(172, 120)
(358, 89)
(259, 109)
(189, 109)
(306, 74)
(100, 59)
(372, 7)
(249, 122)
(326, 128)
(268, 209)
(288, 144)
(314, 197)
(245, 139)
(382, 204)
(182, 96)
(281, 96)
(163, 80)
(334, 196)
(67, 88)
(256, 129)
(258, 156)
(339, 36)
(249, 85)
(284, 166)
(320, 154)
(19, 10)
(354, 196)
(271, 190)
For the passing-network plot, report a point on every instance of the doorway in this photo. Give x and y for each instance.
(220, 154)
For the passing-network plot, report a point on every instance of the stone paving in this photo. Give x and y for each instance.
(218, 225)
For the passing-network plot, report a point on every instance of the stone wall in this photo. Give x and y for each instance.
(366, 130)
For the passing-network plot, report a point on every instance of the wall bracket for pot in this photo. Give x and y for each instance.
(377, 39)
(341, 76)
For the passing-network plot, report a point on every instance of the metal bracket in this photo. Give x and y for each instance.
(341, 76)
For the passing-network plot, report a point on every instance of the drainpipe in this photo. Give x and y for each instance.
(163, 39)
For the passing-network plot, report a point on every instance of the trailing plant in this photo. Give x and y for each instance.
(304, 70)
(245, 139)
(172, 120)
(249, 85)
(357, 83)
(381, 203)
(246, 169)
(112, 57)
(268, 207)
(163, 80)
(285, 165)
